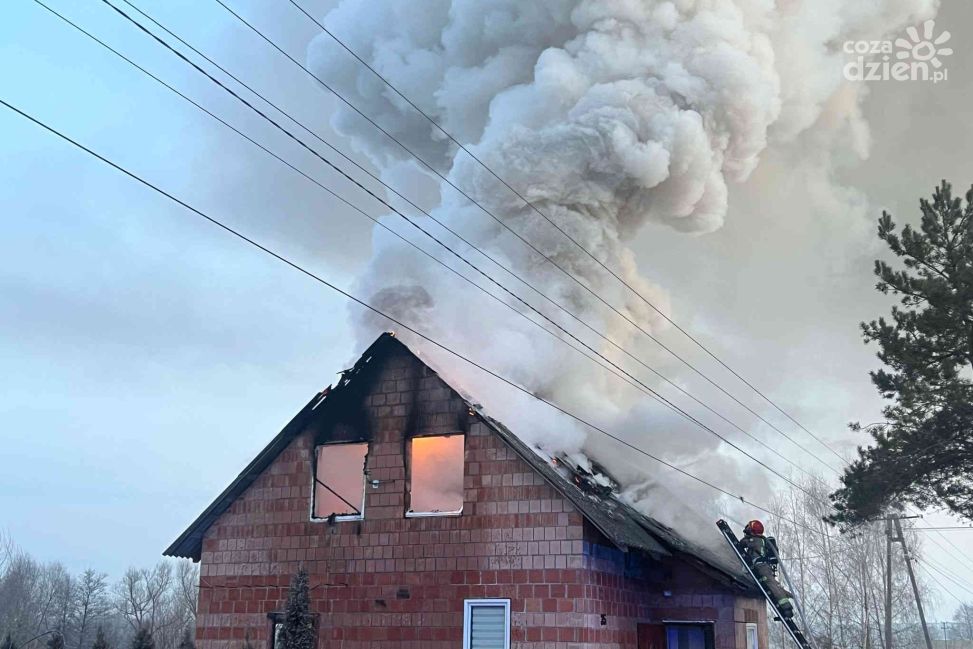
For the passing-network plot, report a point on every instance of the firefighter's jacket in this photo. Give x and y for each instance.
(755, 549)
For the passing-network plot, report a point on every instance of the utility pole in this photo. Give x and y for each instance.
(912, 578)
(945, 639)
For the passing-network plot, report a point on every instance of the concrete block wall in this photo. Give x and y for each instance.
(633, 589)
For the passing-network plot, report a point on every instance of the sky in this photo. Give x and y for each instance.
(146, 357)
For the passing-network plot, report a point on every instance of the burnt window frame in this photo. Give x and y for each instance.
(338, 518)
(408, 477)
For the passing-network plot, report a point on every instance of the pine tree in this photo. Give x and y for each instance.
(297, 631)
(923, 452)
(8, 643)
(143, 639)
(56, 641)
(101, 642)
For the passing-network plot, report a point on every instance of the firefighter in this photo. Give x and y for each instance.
(763, 559)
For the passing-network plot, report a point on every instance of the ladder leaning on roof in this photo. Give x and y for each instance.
(790, 587)
(792, 629)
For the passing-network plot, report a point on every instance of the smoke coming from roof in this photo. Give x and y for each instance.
(607, 115)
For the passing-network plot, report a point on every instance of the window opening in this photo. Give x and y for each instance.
(689, 636)
(436, 475)
(486, 624)
(339, 481)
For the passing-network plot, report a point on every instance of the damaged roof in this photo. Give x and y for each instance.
(189, 544)
(622, 524)
(613, 518)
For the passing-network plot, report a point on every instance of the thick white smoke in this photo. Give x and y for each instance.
(607, 115)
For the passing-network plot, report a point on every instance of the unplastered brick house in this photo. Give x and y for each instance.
(426, 524)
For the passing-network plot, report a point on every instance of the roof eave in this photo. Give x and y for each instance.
(189, 544)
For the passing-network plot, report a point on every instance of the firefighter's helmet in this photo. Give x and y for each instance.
(754, 528)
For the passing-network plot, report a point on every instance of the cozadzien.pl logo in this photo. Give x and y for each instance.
(918, 56)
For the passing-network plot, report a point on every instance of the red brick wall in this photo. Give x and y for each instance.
(390, 581)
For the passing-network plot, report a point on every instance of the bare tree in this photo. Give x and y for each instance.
(91, 605)
(963, 622)
(34, 597)
(142, 596)
(839, 578)
(187, 578)
(44, 597)
(158, 601)
(8, 550)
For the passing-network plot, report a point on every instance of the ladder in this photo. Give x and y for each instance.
(792, 629)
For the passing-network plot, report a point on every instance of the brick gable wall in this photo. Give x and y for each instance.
(391, 581)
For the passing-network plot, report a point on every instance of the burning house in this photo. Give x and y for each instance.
(425, 523)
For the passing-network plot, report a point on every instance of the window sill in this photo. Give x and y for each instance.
(434, 514)
(338, 519)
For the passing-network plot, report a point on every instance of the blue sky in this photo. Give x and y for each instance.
(145, 356)
(148, 355)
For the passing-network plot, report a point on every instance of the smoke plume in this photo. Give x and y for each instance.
(607, 115)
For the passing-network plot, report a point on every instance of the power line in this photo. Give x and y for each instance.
(302, 173)
(929, 564)
(945, 574)
(741, 498)
(939, 583)
(950, 574)
(294, 265)
(520, 237)
(961, 558)
(965, 560)
(351, 297)
(561, 230)
(642, 385)
(522, 281)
